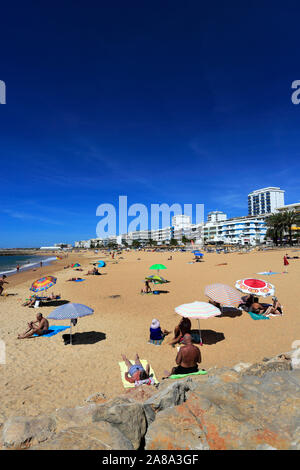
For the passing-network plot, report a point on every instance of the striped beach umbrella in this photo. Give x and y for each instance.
(156, 279)
(43, 284)
(198, 310)
(257, 287)
(75, 265)
(225, 295)
(70, 311)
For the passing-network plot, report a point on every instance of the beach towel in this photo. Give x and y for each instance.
(123, 369)
(256, 316)
(79, 280)
(157, 342)
(53, 330)
(268, 273)
(180, 376)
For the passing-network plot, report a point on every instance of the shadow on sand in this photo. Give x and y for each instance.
(230, 312)
(88, 337)
(209, 336)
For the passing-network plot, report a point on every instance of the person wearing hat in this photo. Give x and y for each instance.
(156, 333)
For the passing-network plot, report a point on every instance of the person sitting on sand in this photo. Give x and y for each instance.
(188, 357)
(156, 333)
(247, 302)
(266, 310)
(2, 282)
(93, 271)
(181, 329)
(39, 327)
(147, 288)
(136, 371)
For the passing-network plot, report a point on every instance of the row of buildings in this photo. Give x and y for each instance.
(246, 230)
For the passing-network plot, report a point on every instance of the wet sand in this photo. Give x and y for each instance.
(42, 374)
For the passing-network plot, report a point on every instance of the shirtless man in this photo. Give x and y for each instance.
(2, 282)
(188, 357)
(272, 310)
(39, 327)
(136, 371)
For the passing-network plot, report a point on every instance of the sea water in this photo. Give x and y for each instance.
(8, 263)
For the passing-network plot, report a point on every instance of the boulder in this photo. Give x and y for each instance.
(126, 415)
(95, 436)
(21, 432)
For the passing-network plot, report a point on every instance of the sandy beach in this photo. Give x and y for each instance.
(42, 374)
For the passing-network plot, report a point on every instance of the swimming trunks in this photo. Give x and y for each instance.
(185, 370)
(135, 368)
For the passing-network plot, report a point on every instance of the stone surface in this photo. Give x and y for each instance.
(21, 432)
(100, 436)
(126, 415)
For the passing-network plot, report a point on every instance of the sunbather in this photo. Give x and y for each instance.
(39, 327)
(2, 281)
(156, 333)
(75, 279)
(181, 329)
(93, 271)
(136, 371)
(188, 357)
(266, 310)
(147, 288)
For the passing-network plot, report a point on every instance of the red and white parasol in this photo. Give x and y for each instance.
(256, 287)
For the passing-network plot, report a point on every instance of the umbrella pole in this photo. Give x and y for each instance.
(200, 333)
(71, 332)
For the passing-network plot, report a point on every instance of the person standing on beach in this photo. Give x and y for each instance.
(41, 264)
(2, 282)
(18, 267)
(285, 263)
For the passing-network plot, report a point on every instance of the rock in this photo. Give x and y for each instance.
(126, 415)
(167, 396)
(70, 417)
(295, 359)
(96, 398)
(259, 369)
(21, 432)
(100, 436)
(175, 428)
(241, 366)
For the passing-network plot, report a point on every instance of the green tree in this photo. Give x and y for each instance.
(173, 242)
(289, 219)
(276, 225)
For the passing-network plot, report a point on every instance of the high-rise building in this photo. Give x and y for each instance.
(181, 221)
(265, 200)
(216, 216)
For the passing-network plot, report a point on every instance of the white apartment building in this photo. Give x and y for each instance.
(181, 221)
(216, 216)
(265, 201)
(240, 230)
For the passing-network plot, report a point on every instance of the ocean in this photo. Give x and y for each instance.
(8, 263)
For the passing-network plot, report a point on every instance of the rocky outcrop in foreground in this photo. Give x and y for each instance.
(249, 406)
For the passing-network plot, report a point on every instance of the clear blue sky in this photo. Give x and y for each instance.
(186, 102)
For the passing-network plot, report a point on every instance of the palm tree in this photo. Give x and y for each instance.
(289, 219)
(276, 225)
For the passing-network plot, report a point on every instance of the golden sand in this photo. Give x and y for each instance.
(42, 374)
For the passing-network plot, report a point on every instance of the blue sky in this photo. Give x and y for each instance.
(165, 102)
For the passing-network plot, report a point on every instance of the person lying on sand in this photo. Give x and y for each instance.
(74, 279)
(180, 330)
(94, 272)
(136, 371)
(266, 310)
(30, 302)
(39, 327)
(2, 282)
(188, 357)
(216, 304)
(247, 302)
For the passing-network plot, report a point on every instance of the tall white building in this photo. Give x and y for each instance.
(181, 221)
(216, 216)
(265, 200)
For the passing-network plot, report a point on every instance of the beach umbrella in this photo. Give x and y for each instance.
(70, 312)
(101, 264)
(156, 279)
(198, 310)
(255, 287)
(43, 284)
(75, 265)
(157, 267)
(197, 253)
(225, 295)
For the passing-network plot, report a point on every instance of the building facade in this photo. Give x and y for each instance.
(265, 201)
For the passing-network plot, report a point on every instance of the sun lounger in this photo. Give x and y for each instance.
(123, 369)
